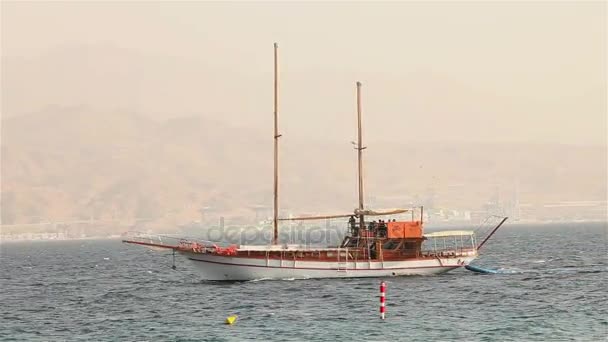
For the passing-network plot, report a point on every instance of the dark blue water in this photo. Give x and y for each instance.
(553, 288)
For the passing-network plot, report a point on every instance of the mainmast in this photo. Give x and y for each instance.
(275, 237)
(360, 149)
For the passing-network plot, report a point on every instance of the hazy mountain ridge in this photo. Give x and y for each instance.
(123, 166)
(416, 103)
(122, 170)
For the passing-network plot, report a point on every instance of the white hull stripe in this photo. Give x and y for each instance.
(326, 269)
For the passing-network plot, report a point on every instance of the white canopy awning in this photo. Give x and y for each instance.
(447, 233)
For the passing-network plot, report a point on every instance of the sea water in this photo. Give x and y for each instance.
(552, 287)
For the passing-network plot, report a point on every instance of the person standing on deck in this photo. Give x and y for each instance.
(353, 225)
(372, 227)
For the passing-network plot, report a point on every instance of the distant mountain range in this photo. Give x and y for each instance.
(68, 163)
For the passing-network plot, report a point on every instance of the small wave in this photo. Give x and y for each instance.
(590, 271)
(509, 271)
(275, 279)
(565, 270)
(115, 295)
(528, 316)
(260, 279)
(531, 278)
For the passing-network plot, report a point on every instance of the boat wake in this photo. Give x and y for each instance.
(509, 271)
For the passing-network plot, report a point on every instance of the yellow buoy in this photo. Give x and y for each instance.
(231, 319)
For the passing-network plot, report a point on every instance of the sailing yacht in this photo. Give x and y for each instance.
(393, 248)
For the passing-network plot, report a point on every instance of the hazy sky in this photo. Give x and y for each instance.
(441, 71)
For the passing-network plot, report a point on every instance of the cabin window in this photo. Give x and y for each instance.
(391, 244)
(408, 246)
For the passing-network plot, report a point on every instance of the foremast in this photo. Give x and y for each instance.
(360, 149)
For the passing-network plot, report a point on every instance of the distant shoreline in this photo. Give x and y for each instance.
(432, 227)
(512, 223)
(92, 238)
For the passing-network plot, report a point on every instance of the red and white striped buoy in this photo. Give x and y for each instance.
(382, 299)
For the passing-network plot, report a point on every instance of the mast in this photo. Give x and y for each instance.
(275, 236)
(360, 149)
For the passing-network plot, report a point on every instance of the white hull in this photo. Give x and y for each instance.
(215, 267)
